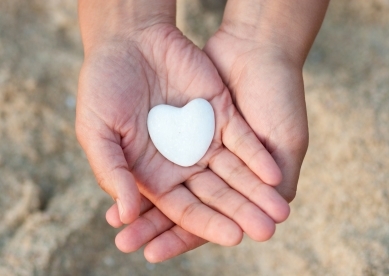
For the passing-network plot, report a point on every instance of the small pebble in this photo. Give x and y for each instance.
(182, 135)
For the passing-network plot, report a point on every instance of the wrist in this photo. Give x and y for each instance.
(285, 28)
(103, 21)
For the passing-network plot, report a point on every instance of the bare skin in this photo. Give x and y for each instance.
(260, 60)
(122, 78)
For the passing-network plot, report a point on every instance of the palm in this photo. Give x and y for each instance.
(269, 93)
(119, 85)
(129, 85)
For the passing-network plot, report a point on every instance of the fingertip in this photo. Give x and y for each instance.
(128, 210)
(126, 242)
(270, 173)
(229, 235)
(255, 223)
(112, 216)
(262, 227)
(271, 202)
(164, 247)
(153, 256)
(266, 232)
(128, 200)
(234, 239)
(283, 212)
(122, 245)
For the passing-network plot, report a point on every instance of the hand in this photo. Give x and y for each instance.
(268, 89)
(269, 93)
(259, 51)
(164, 239)
(121, 80)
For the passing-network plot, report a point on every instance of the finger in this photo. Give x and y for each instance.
(185, 210)
(215, 193)
(171, 244)
(240, 139)
(142, 230)
(290, 164)
(109, 165)
(239, 177)
(112, 215)
(166, 242)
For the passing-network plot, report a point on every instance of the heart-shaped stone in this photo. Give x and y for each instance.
(182, 135)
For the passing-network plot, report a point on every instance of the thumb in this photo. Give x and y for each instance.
(290, 159)
(111, 170)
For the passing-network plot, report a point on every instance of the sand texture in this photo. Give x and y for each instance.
(52, 210)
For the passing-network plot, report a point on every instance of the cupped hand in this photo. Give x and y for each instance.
(267, 88)
(216, 199)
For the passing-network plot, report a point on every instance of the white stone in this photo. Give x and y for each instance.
(182, 135)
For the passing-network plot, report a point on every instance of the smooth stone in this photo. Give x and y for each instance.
(182, 135)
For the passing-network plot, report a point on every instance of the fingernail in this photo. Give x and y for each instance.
(120, 207)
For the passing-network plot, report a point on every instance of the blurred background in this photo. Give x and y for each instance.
(52, 211)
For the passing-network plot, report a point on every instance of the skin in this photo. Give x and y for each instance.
(260, 60)
(260, 50)
(126, 72)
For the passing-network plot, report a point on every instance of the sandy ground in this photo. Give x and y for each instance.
(52, 211)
